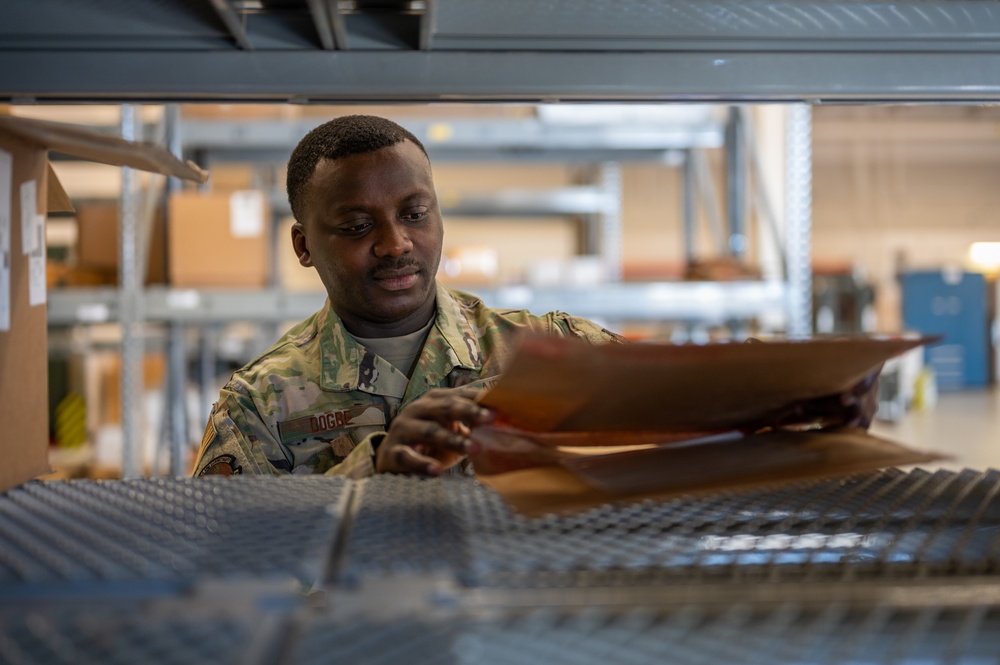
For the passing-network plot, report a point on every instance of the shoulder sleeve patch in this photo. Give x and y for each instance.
(223, 465)
(207, 437)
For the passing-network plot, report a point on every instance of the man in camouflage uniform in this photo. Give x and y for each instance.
(384, 376)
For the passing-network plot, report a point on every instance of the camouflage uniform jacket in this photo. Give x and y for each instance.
(319, 402)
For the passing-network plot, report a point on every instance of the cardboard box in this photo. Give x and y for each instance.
(219, 239)
(28, 190)
(233, 177)
(108, 400)
(97, 242)
(292, 276)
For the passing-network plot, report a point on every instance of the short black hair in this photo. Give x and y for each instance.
(340, 137)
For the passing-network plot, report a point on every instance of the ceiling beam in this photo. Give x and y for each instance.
(321, 19)
(338, 76)
(426, 9)
(338, 23)
(233, 22)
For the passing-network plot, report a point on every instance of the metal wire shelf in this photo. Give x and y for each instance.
(886, 567)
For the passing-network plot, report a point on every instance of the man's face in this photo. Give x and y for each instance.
(372, 229)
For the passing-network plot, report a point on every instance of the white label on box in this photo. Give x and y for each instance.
(246, 214)
(187, 299)
(36, 264)
(6, 177)
(96, 312)
(29, 203)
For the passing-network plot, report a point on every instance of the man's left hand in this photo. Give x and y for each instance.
(855, 407)
(432, 433)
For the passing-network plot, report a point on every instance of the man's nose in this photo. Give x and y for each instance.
(393, 240)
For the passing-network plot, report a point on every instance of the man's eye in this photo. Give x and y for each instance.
(415, 215)
(354, 228)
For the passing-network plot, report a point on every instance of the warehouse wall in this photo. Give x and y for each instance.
(893, 187)
(903, 187)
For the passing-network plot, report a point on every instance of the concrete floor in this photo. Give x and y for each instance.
(964, 425)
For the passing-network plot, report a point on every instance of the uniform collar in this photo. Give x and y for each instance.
(347, 365)
(456, 330)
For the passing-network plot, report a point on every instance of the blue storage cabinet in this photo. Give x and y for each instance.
(960, 307)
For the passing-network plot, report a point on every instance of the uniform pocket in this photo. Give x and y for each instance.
(319, 441)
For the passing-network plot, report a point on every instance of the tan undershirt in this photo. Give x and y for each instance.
(402, 352)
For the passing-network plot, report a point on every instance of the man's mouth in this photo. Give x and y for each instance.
(398, 279)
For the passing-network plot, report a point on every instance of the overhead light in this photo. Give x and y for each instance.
(985, 256)
(634, 113)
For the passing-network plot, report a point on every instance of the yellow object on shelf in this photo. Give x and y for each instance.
(925, 390)
(71, 421)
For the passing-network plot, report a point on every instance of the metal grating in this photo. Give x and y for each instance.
(888, 567)
(690, 635)
(887, 524)
(896, 524)
(65, 638)
(404, 526)
(165, 530)
(326, 639)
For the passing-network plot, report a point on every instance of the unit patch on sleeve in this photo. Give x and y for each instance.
(223, 465)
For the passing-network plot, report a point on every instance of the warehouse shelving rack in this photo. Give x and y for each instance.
(890, 567)
(673, 138)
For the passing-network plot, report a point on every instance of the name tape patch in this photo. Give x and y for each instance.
(328, 422)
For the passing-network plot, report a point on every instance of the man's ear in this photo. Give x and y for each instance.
(300, 246)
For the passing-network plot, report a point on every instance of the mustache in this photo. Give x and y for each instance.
(387, 263)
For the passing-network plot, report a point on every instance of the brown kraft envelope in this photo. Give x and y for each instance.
(581, 425)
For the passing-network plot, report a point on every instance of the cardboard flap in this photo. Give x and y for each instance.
(567, 385)
(772, 456)
(575, 483)
(58, 199)
(91, 145)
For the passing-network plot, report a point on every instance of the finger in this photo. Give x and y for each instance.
(866, 384)
(414, 432)
(404, 459)
(445, 407)
(469, 393)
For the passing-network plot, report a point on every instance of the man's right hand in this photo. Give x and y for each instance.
(431, 434)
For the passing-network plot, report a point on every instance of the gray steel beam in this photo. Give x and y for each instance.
(337, 24)
(705, 184)
(131, 306)
(688, 203)
(736, 181)
(324, 26)
(560, 201)
(201, 306)
(610, 248)
(445, 136)
(175, 414)
(207, 380)
(322, 76)
(658, 301)
(233, 22)
(798, 220)
(439, 154)
(712, 26)
(426, 9)
(704, 24)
